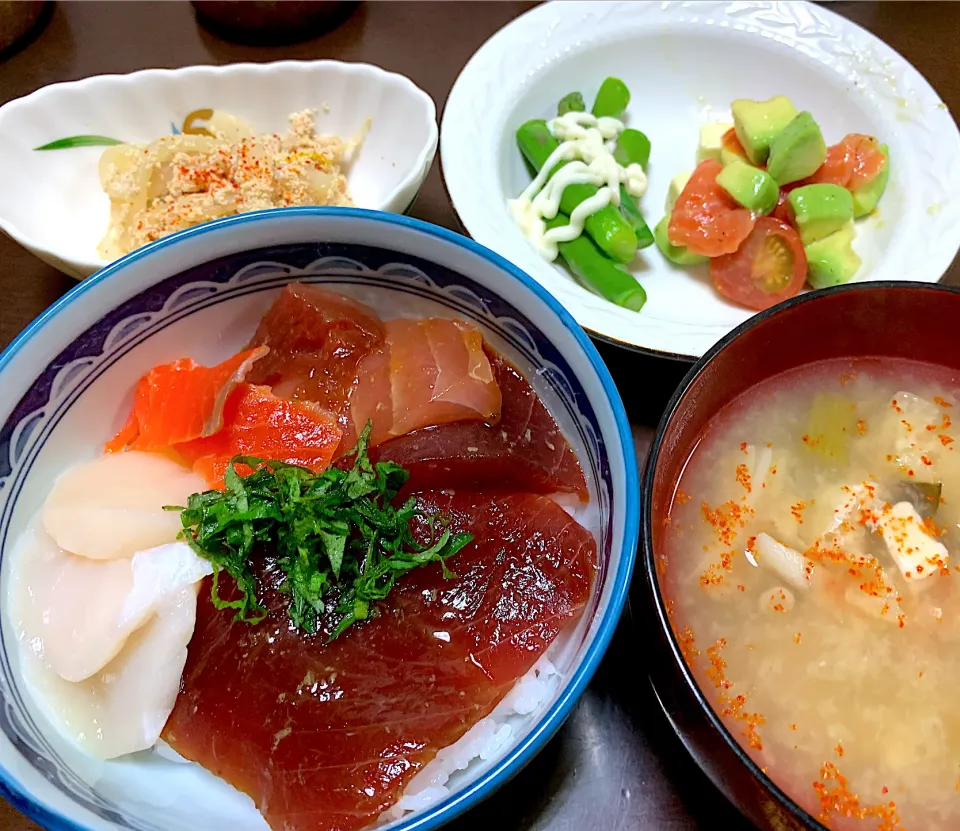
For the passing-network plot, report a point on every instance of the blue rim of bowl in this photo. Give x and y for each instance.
(648, 557)
(512, 763)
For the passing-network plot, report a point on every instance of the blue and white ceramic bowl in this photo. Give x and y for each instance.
(67, 383)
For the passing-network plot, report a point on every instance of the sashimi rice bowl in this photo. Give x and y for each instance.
(311, 521)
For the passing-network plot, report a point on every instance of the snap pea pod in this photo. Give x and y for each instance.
(589, 265)
(612, 99)
(571, 103)
(606, 227)
(634, 149)
(631, 213)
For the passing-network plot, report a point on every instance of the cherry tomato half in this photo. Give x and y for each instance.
(768, 268)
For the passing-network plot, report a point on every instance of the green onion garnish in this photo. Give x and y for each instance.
(79, 141)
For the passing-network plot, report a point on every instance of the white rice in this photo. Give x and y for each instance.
(164, 751)
(485, 741)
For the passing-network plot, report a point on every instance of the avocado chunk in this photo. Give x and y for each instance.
(677, 254)
(711, 141)
(820, 210)
(831, 261)
(677, 184)
(797, 151)
(758, 122)
(752, 187)
(728, 155)
(866, 197)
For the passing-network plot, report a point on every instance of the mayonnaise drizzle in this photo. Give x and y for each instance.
(586, 144)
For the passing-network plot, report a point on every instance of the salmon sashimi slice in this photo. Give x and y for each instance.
(325, 737)
(868, 162)
(429, 371)
(731, 142)
(836, 168)
(258, 423)
(127, 434)
(851, 163)
(706, 219)
(181, 401)
(316, 340)
(526, 451)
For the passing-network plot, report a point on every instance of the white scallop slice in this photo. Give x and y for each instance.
(123, 708)
(113, 505)
(75, 614)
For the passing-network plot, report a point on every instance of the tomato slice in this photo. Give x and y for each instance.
(706, 219)
(851, 163)
(770, 266)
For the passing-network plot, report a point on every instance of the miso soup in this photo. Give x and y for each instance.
(812, 577)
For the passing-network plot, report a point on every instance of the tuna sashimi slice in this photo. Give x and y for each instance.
(324, 737)
(429, 371)
(181, 401)
(258, 423)
(526, 451)
(316, 339)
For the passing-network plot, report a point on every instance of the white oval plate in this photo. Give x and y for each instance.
(51, 202)
(684, 63)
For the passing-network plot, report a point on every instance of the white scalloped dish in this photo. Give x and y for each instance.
(684, 63)
(52, 201)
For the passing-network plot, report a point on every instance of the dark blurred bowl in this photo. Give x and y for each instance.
(19, 21)
(271, 22)
(866, 320)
